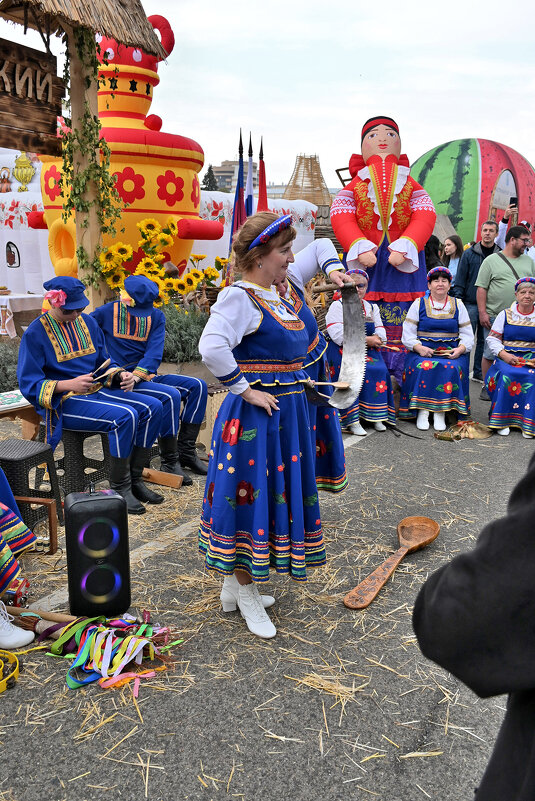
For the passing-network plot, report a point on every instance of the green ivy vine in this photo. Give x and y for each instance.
(87, 141)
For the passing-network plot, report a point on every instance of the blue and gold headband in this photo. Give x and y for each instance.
(528, 279)
(440, 270)
(273, 228)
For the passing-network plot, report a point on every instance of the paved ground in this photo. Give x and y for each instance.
(340, 705)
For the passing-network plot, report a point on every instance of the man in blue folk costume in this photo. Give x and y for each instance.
(61, 373)
(135, 338)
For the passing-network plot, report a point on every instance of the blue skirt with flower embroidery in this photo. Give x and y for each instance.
(512, 395)
(326, 435)
(376, 401)
(260, 506)
(436, 384)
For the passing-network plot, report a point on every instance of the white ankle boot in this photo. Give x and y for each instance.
(527, 436)
(504, 432)
(253, 612)
(422, 421)
(230, 591)
(11, 637)
(357, 429)
(379, 425)
(439, 421)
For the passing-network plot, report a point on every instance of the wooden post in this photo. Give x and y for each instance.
(84, 91)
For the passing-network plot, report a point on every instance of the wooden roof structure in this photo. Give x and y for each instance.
(123, 20)
(307, 182)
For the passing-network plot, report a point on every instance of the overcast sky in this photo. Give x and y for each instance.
(306, 75)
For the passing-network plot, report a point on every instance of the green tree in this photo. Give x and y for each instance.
(209, 182)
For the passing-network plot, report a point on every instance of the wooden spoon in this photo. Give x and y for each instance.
(413, 533)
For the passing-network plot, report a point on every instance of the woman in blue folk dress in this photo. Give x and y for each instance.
(510, 381)
(260, 508)
(324, 420)
(376, 401)
(438, 335)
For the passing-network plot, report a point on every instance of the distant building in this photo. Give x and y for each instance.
(227, 174)
(275, 190)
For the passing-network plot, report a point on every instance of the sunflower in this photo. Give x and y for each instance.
(159, 283)
(190, 281)
(211, 273)
(197, 274)
(171, 226)
(148, 264)
(116, 279)
(149, 227)
(108, 257)
(163, 241)
(169, 284)
(221, 262)
(123, 252)
(110, 267)
(181, 287)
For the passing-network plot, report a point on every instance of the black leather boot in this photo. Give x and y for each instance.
(121, 482)
(170, 462)
(139, 488)
(187, 452)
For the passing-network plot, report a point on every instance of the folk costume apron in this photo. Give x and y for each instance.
(260, 507)
(436, 384)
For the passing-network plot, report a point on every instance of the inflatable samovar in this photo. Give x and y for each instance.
(156, 172)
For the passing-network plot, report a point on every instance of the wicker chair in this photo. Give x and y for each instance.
(17, 458)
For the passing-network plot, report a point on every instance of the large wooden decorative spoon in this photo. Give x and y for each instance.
(413, 533)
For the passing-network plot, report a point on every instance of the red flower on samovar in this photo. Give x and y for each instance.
(53, 182)
(195, 191)
(130, 185)
(170, 187)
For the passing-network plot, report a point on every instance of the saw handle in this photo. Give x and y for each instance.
(363, 594)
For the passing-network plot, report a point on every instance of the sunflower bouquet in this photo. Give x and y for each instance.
(154, 240)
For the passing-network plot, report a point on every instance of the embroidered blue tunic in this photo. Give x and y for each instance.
(376, 401)
(260, 506)
(324, 421)
(137, 344)
(52, 351)
(436, 384)
(512, 388)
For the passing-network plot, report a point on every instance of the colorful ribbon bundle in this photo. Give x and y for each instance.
(104, 648)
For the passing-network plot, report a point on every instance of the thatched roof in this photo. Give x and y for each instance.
(123, 20)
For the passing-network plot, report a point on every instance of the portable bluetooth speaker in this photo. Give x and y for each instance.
(98, 559)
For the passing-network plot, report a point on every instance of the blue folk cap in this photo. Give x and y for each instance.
(143, 292)
(73, 289)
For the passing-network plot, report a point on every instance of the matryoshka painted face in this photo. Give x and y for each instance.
(381, 141)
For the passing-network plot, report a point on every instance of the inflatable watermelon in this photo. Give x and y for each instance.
(472, 180)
